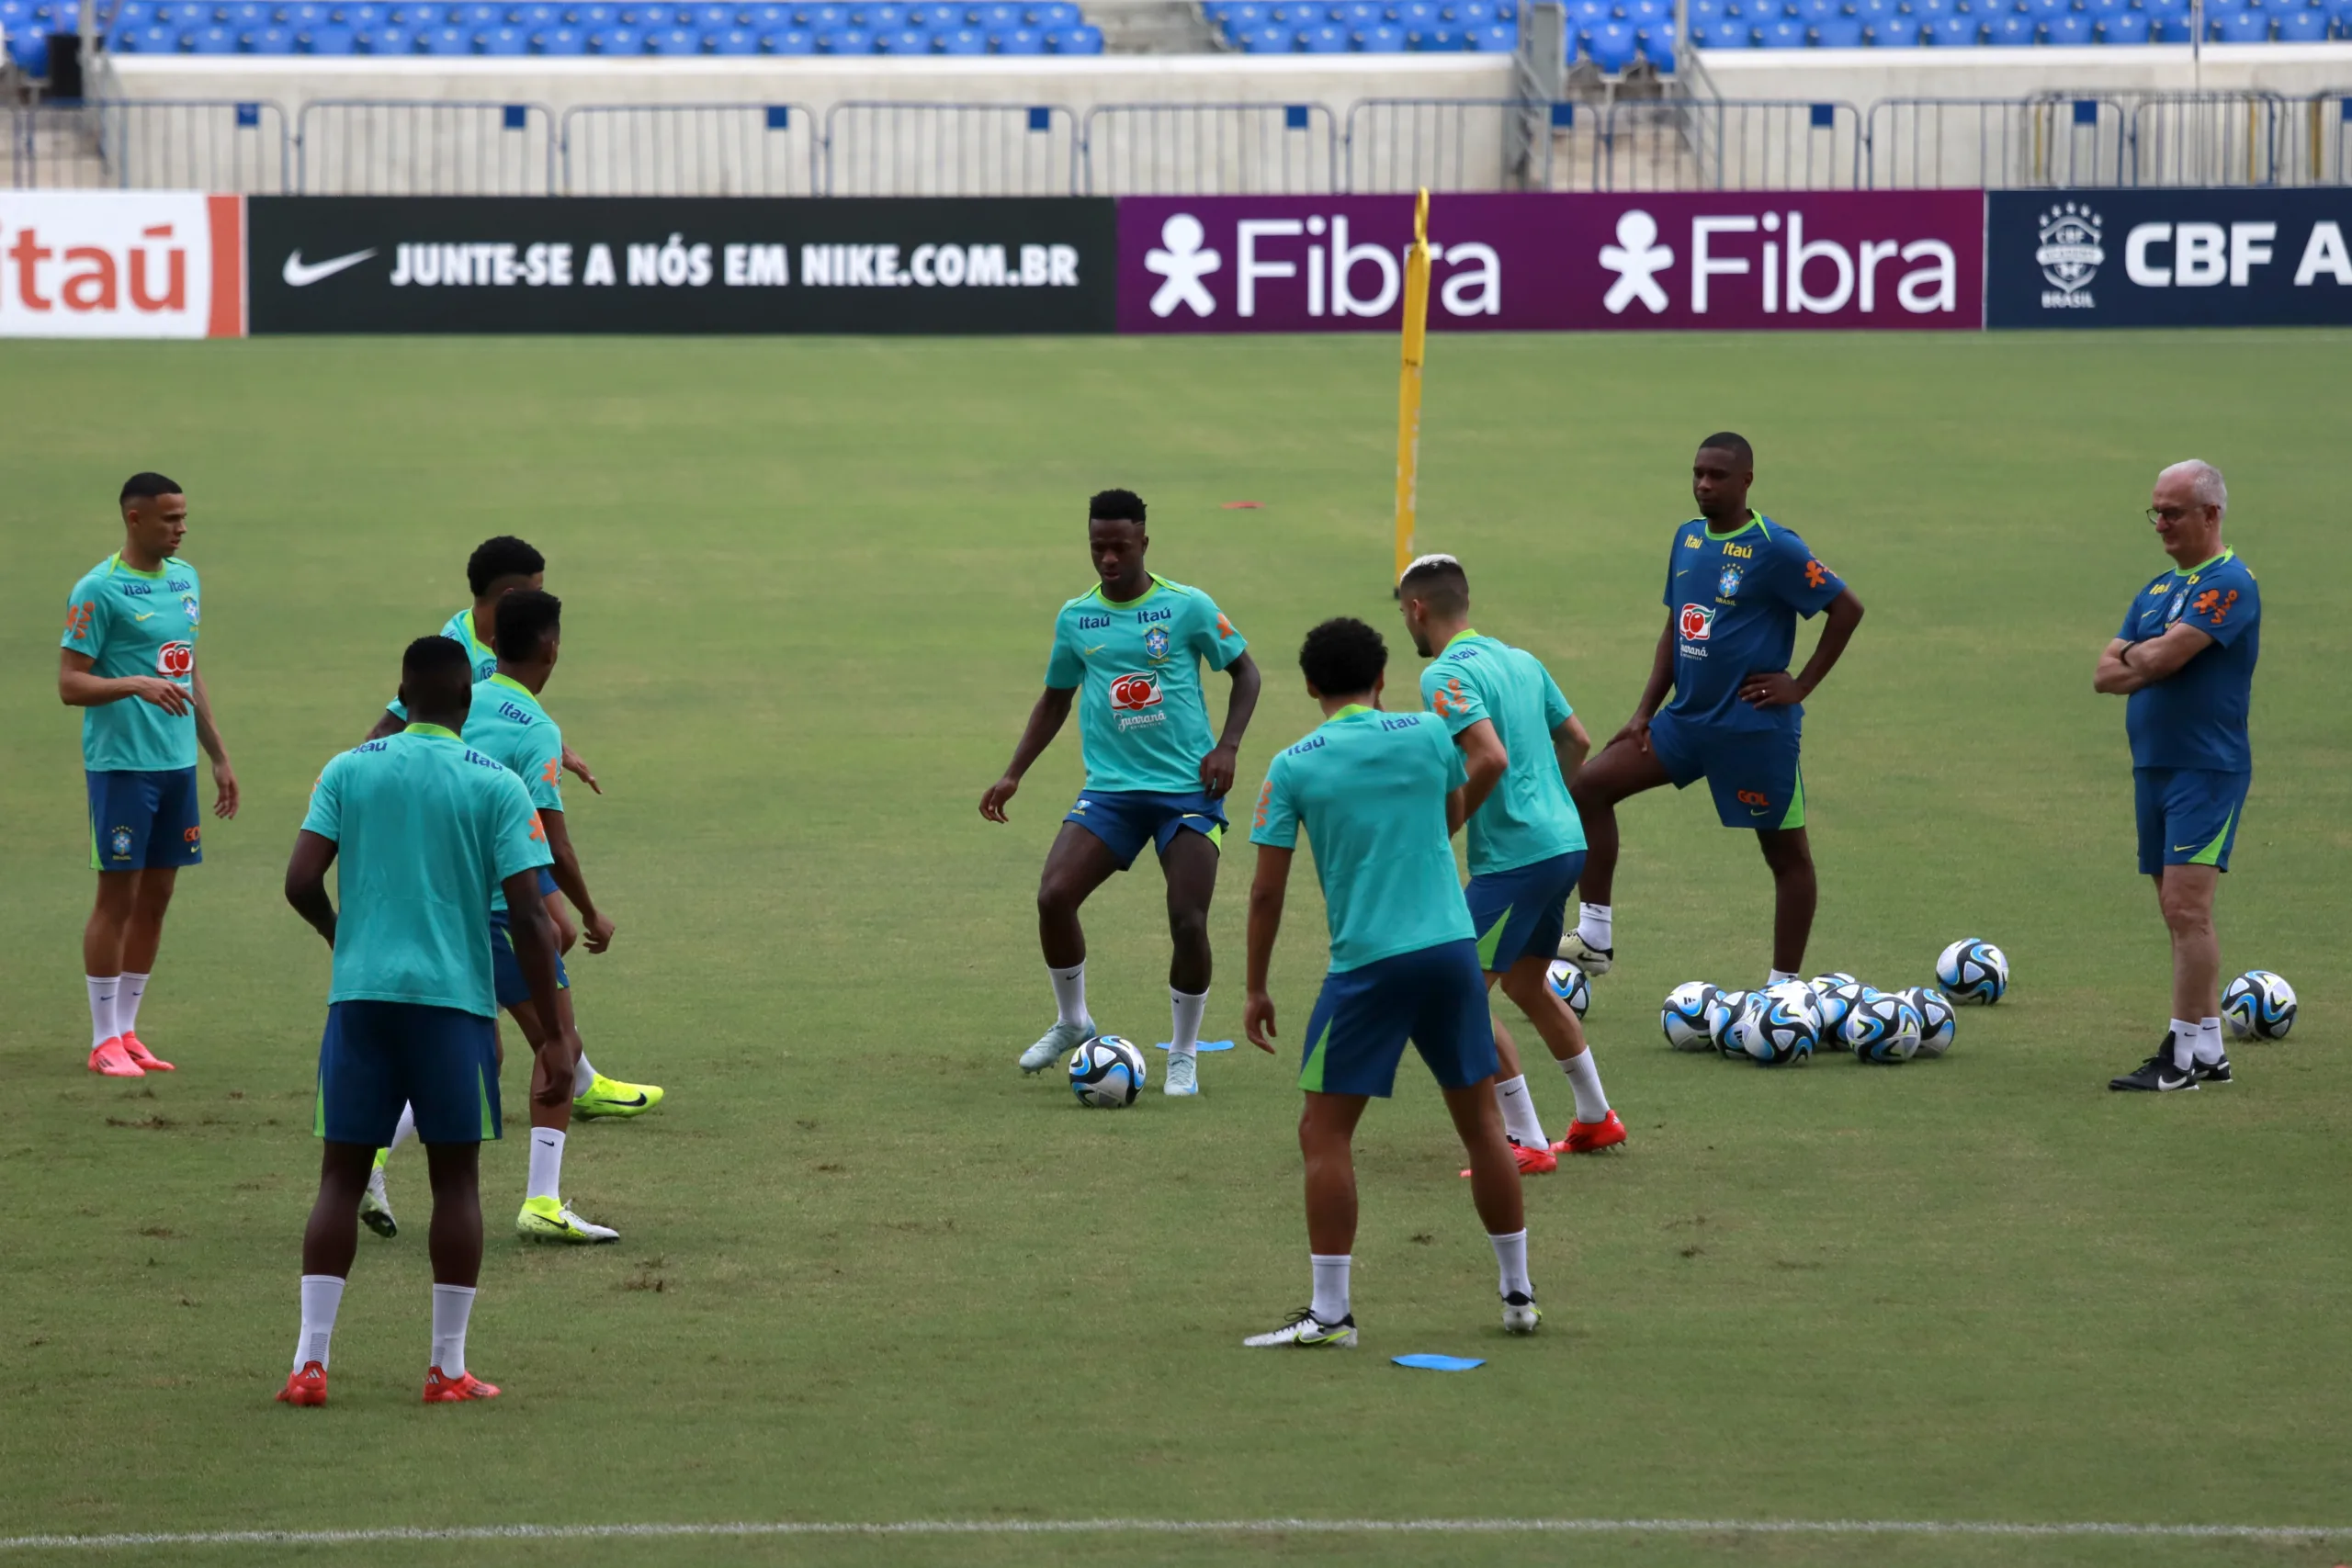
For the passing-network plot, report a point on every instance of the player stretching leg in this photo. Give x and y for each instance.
(1735, 585)
(1130, 650)
(427, 830)
(2185, 660)
(1522, 744)
(1379, 795)
(127, 660)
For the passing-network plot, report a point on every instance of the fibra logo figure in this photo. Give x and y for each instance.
(1636, 258)
(1184, 261)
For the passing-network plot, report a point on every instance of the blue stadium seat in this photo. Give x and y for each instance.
(326, 39)
(501, 40)
(559, 42)
(1656, 45)
(845, 41)
(2125, 26)
(878, 19)
(157, 39)
(2304, 24)
(1815, 12)
(2238, 26)
(1952, 31)
(478, 16)
(905, 40)
(1272, 38)
(1056, 15)
(264, 41)
(379, 40)
(412, 16)
(1017, 40)
(1723, 32)
(1876, 14)
(1384, 38)
(1586, 15)
(301, 16)
(1361, 14)
(588, 18)
(1895, 31)
(2011, 31)
(1786, 32)
(1325, 39)
(29, 50)
(616, 41)
(2072, 30)
(1085, 38)
(1838, 32)
(1494, 38)
(958, 40)
(443, 41)
(1611, 46)
(788, 41)
(767, 18)
(2043, 10)
(243, 14)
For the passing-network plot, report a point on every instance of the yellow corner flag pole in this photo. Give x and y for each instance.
(1408, 382)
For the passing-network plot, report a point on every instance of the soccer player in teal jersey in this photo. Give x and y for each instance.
(1735, 584)
(425, 830)
(128, 661)
(1521, 744)
(1128, 651)
(507, 723)
(498, 567)
(2185, 658)
(1379, 795)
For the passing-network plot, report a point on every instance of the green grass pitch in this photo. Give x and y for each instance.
(868, 1273)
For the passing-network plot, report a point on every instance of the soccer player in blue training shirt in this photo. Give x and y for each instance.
(127, 660)
(426, 831)
(498, 567)
(1129, 652)
(2184, 658)
(1379, 795)
(1735, 585)
(507, 723)
(1521, 744)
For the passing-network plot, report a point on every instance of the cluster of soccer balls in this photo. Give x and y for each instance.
(1788, 1022)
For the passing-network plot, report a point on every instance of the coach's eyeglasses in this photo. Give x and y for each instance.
(2171, 513)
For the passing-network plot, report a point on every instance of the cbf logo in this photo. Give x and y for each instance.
(2069, 255)
(1154, 642)
(1727, 585)
(187, 604)
(121, 839)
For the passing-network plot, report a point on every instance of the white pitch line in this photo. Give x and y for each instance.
(1176, 1526)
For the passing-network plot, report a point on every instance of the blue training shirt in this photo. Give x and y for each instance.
(2196, 716)
(1736, 598)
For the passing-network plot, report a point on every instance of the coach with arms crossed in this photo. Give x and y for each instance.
(2184, 658)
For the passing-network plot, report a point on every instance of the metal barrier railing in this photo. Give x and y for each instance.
(1210, 150)
(1665, 145)
(2216, 139)
(2050, 142)
(404, 147)
(917, 149)
(54, 146)
(220, 145)
(690, 149)
(1453, 144)
(2328, 133)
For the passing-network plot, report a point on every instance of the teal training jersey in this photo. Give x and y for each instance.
(1369, 788)
(459, 629)
(1528, 817)
(507, 723)
(136, 623)
(1141, 720)
(426, 829)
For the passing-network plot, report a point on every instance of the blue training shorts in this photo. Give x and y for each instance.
(1127, 819)
(507, 970)
(1435, 996)
(1754, 774)
(2188, 815)
(1523, 910)
(378, 1057)
(138, 821)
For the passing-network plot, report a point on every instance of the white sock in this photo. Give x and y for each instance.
(104, 989)
(452, 1305)
(1783, 977)
(1070, 993)
(126, 1002)
(546, 1165)
(2185, 1036)
(1593, 924)
(583, 1077)
(2208, 1040)
(1519, 1114)
(1330, 1303)
(1187, 1009)
(405, 1130)
(1510, 1255)
(322, 1295)
(1592, 1106)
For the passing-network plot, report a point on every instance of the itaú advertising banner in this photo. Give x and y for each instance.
(2169, 258)
(1716, 260)
(121, 264)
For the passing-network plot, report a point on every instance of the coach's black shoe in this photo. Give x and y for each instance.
(2157, 1074)
(2212, 1072)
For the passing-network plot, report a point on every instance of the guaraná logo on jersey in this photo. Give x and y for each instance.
(1135, 692)
(1698, 623)
(2069, 255)
(1154, 642)
(176, 659)
(1727, 585)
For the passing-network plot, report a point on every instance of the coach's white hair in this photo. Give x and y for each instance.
(2204, 482)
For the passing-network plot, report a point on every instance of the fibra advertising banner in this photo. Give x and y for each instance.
(2168, 258)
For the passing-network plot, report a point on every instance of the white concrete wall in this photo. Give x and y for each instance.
(1863, 76)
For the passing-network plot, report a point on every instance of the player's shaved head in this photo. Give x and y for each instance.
(505, 562)
(1343, 657)
(146, 485)
(1114, 506)
(528, 619)
(436, 681)
(1733, 446)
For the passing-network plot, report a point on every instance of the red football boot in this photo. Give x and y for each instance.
(1591, 1137)
(139, 1054)
(440, 1389)
(110, 1060)
(1536, 1161)
(308, 1386)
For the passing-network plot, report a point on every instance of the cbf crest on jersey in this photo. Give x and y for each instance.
(187, 603)
(2173, 610)
(1727, 585)
(1154, 642)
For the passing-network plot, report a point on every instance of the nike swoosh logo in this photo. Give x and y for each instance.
(2182, 849)
(1098, 647)
(148, 617)
(300, 274)
(638, 1101)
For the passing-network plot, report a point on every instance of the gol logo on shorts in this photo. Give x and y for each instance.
(1135, 690)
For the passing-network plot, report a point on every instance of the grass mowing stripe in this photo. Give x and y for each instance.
(1188, 1527)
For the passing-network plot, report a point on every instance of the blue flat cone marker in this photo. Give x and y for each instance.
(1438, 1363)
(1205, 1045)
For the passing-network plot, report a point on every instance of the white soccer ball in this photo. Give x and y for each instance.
(1884, 1028)
(1780, 1026)
(1107, 1073)
(1972, 970)
(1938, 1022)
(2259, 1006)
(1836, 1003)
(1684, 1017)
(1823, 984)
(1568, 984)
(1722, 1019)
